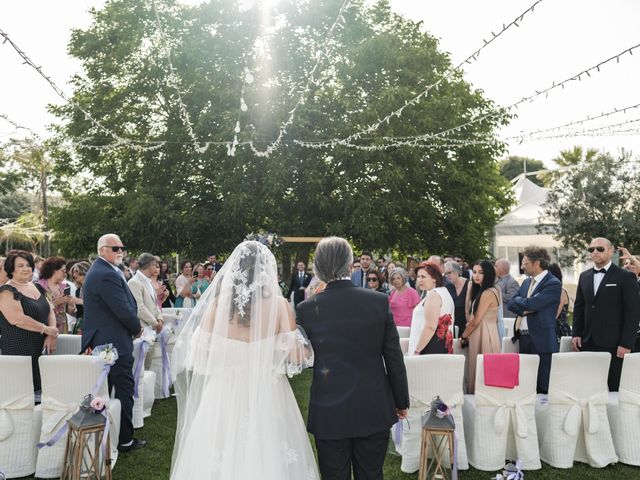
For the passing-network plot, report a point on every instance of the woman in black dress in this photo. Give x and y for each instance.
(457, 287)
(27, 321)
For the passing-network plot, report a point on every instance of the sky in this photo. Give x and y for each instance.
(558, 40)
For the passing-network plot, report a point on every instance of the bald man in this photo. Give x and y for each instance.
(606, 310)
(507, 285)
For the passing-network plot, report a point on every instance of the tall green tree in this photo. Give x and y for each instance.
(179, 197)
(598, 197)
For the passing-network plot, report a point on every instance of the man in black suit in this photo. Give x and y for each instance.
(359, 387)
(299, 282)
(111, 316)
(606, 310)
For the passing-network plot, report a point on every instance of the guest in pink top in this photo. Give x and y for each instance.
(403, 298)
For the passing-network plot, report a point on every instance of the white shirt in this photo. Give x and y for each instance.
(597, 277)
(537, 279)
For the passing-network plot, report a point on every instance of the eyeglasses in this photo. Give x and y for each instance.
(591, 249)
(372, 279)
(120, 248)
(448, 273)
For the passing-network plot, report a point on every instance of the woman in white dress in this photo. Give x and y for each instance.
(237, 416)
(433, 316)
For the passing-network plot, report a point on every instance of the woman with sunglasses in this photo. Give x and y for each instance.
(374, 282)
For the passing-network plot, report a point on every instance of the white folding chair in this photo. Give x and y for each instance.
(403, 332)
(500, 423)
(154, 361)
(66, 380)
(146, 382)
(509, 347)
(68, 344)
(565, 344)
(509, 324)
(19, 419)
(430, 376)
(572, 420)
(623, 410)
(404, 345)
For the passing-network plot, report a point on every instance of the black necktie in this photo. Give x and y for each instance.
(602, 270)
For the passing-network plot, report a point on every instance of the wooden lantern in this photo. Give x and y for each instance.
(82, 455)
(437, 447)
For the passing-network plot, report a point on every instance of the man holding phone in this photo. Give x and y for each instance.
(606, 310)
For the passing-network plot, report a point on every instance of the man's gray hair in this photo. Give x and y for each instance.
(102, 241)
(146, 260)
(436, 259)
(399, 271)
(332, 259)
(454, 267)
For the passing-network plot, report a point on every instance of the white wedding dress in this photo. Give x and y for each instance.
(238, 418)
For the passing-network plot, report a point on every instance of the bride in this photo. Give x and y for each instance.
(237, 416)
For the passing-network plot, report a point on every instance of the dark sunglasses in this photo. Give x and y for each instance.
(121, 248)
(372, 279)
(591, 249)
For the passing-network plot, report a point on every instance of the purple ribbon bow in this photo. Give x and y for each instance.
(144, 348)
(166, 368)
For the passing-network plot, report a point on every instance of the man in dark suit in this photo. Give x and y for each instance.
(111, 316)
(359, 276)
(536, 305)
(300, 280)
(606, 310)
(359, 387)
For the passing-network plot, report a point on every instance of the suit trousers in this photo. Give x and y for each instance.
(615, 367)
(121, 379)
(544, 368)
(366, 455)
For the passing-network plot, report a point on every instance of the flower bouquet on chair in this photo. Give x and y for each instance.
(438, 416)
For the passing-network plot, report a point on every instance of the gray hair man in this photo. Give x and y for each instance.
(149, 313)
(506, 283)
(352, 368)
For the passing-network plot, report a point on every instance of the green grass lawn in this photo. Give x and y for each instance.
(159, 430)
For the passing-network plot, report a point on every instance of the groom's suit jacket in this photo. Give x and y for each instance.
(359, 377)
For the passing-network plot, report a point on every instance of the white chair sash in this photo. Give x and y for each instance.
(58, 412)
(24, 402)
(571, 423)
(629, 397)
(508, 410)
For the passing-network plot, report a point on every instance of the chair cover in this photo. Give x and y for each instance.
(403, 332)
(624, 412)
(429, 376)
(500, 423)
(404, 345)
(509, 347)
(146, 386)
(19, 420)
(565, 344)
(68, 344)
(66, 379)
(572, 420)
(509, 324)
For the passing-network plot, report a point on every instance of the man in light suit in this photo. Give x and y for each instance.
(149, 313)
(111, 316)
(506, 283)
(359, 385)
(536, 305)
(607, 309)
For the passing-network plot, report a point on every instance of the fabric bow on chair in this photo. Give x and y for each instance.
(58, 412)
(510, 410)
(575, 414)
(24, 402)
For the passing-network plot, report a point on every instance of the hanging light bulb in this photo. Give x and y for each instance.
(248, 78)
(237, 129)
(243, 106)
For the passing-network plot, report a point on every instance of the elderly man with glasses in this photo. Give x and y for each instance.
(111, 316)
(606, 310)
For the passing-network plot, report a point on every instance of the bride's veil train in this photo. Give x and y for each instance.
(237, 416)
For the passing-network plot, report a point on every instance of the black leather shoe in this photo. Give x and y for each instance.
(134, 446)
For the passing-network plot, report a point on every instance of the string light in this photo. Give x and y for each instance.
(18, 126)
(415, 100)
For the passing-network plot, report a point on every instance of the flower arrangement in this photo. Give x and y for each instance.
(97, 404)
(269, 239)
(107, 353)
